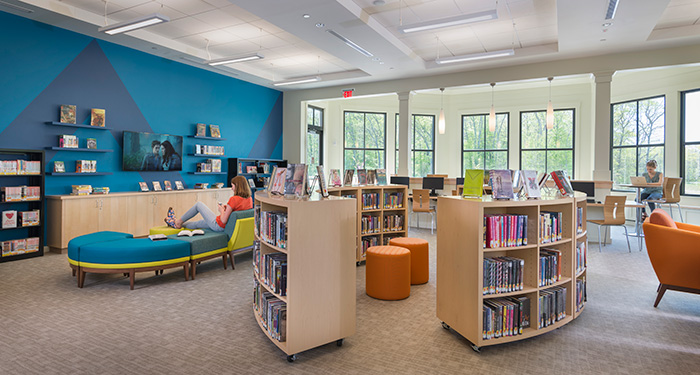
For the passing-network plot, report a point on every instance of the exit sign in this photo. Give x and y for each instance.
(347, 93)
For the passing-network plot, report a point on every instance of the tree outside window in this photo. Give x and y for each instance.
(481, 148)
(638, 128)
(314, 139)
(365, 135)
(690, 142)
(547, 150)
(422, 157)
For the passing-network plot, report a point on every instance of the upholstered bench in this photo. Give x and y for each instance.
(131, 255)
(75, 244)
(202, 247)
(164, 229)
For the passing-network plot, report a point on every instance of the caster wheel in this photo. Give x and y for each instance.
(445, 326)
(339, 342)
(476, 348)
(358, 263)
(291, 358)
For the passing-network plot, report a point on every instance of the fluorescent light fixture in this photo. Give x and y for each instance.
(237, 59)
(612, 9)
(350, 43)
(138, 23)
(475, 56)
(295, 81)
(450, 21)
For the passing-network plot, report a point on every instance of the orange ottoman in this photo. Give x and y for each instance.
(420, 271)
(388, 272)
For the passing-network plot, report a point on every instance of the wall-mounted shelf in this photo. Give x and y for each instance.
(207, 138)
(76, 125)
(78, 174)
(206, 156)
(81, 149)
(207, 173)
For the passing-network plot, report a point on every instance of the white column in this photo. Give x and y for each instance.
(601, 133)
(404, 139)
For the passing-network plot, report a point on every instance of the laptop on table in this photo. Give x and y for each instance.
(638, 180)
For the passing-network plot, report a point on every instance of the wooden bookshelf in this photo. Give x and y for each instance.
(383, 235)
(581, 237)
(320, 295)
(460, 261)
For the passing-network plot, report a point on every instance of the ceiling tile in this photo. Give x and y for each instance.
(190, 7)
(215, 37)
(153, 7)
(95, 6)
(218, 19)
(191, 25)
(234, 48)
(218, 3)
(246, 31)
(269, 41)
(240, 13)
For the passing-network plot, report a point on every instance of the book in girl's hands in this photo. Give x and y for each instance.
(322, 180)
(381, 177)
(348, 177)
(190, 233)
(530, 183)
(97, 117)
(473, 183)
(201, 130)
(214, 131)
(362, 177)
(501, 184)
(277, 181)
(334, 178)
(295, 180)
(67, 114)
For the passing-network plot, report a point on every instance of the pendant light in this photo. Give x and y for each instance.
(492, 113)
(550, 109)
(441, 119)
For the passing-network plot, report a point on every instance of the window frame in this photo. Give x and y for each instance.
(485, 150)
(636, 145)
(683, 142)
(412, 139)
(545, 149)
(313, 128)
(364, 125)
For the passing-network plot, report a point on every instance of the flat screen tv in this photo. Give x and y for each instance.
(151, 152)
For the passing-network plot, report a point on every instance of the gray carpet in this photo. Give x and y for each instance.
(206, 326)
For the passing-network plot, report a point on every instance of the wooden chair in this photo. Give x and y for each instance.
(421, 204)
(613, 214)
(671, 195)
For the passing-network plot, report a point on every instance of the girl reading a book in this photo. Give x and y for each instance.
(171, 159)
(655, 179)
(241, 200)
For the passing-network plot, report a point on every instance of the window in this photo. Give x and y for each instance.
(547, 150)
(690, 142)
(422, 160)
(365, 136)
(481, 148)
(314, 139)
(638, 128)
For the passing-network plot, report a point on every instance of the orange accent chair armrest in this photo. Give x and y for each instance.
(674, 254)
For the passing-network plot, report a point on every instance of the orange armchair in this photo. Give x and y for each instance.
(674, 251)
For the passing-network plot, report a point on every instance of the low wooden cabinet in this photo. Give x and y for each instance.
(70, 216)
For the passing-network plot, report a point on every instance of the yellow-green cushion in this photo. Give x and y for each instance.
(164, 229)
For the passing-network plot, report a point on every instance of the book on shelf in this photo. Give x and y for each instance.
(251, 183)
(504, 230)
(277, 181)
(190, 233)
(579, 220)
(561, 179)
(393, 200)
(91, 143)
(214, 131)
(32, 244)
(393, 223)
(368, 242)
(85, 166)
(334, 178)
(81, 189)
(530, 184)
(550, 226)
(30, 218)
(370, 201)
(143, 186)
(517, 181)
(167, 185)
(67, 141)
(178, 185)
(501, 184)
(67, 114)
(215, 165)
(581, 253)
(362, 177)
(9, 219)
(217, 185)
(347, 181)
(201, 185)
(295, 180)
(251, 169)
(369, 224)
(201, 130)
(263, 167)
(503, 275)
(504, 317)
(381, 176)
(322, 180)
(271, 311)
(371, 177)
(97, 117)
(273, 228)
(100, 190)
(473, 183)
(580, 293)
(552, 306)
(157, 237)
(271, 269)
(550, 267)
(156, 186)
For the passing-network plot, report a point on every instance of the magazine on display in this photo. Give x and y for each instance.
(501, 184)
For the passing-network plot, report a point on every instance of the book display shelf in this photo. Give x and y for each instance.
(208, 152)
(466, 253)
(77, 149)
(22, 194)
(258, 170)
(312, 301)
(381, 214)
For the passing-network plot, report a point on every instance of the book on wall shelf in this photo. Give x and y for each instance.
(214, 131)
(67, 114)
(97, 117)
(473, 186)
(201, 130)
(530, 184)
(59, 166)
(501, 184)
(91, 143)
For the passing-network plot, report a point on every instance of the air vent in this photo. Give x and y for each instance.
(612, 8)
(15, 7)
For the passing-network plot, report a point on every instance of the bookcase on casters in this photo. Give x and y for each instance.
(320, 277)
(460, 262)
(25, 204)
(392, 203)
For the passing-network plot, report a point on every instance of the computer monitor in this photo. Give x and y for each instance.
(433, 183)
(587, 187)
(400, 180)
(460, 181)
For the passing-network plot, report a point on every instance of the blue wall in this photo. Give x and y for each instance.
(44, 67)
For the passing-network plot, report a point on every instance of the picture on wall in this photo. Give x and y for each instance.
(151, 152)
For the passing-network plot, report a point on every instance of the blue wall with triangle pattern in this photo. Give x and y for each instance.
(44, 67)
